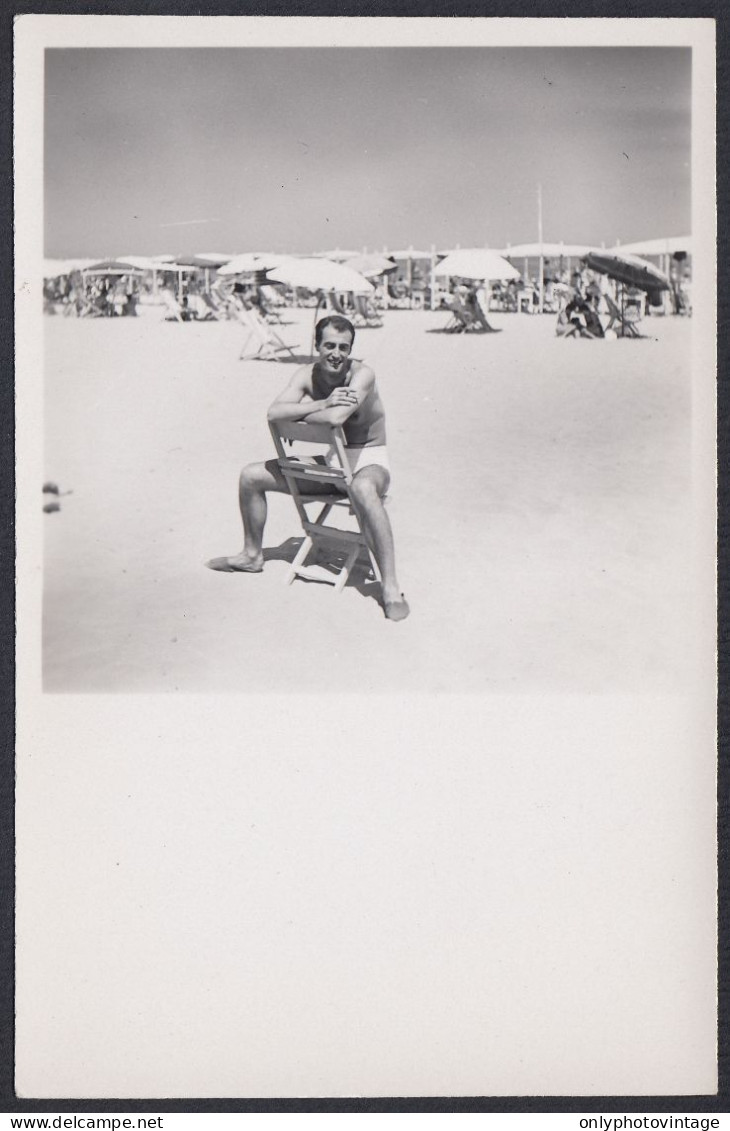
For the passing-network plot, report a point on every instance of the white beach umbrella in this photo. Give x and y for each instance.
(216, 256)
(372, 265)
(249, 262)
(319, 275)
(337, 255)
(143, 262)
(668, 246)
(477, 263)
(547, 250)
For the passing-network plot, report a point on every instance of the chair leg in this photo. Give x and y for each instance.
(283, 346)
(299, 560)
(374, 565)
(246, 340)
(346, 569)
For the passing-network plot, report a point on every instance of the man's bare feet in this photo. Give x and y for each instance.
(397, 608)
(239, 563)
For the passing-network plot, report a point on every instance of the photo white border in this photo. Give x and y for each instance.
(525, 722)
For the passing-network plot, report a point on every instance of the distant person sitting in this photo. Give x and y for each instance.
(476, 302)
(579, 319)
(593, 321)
(463, 317)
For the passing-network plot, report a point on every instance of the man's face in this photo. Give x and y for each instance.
(334, 350)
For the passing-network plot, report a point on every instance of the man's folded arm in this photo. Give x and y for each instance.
(294, 403)
(334, 416)
(291, 410)
(361, 385)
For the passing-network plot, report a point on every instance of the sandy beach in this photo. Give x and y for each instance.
(540, 503)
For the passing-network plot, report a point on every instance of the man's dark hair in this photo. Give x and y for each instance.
(337, 322)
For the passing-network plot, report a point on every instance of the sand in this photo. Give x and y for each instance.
(540, 503)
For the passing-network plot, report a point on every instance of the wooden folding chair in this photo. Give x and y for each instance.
(461, 319)
(332, 470)
(365, 313)
(267, 341)
(173, 309)
(627, 318)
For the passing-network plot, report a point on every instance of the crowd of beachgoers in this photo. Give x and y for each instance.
(585, 301)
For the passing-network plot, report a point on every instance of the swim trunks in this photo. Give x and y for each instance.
(360, 457)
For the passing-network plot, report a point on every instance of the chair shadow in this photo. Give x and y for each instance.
(286, 359)
(469, 330)
(361, 577)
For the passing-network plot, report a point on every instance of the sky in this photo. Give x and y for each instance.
(174, 151)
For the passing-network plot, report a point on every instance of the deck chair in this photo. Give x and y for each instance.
(330, 543)
(208, 308)
(268, 343)
(365, 313)
(173, 310)
(336, 305)
(89, 307)
(461, 319)
(626, 321)
(269, 305)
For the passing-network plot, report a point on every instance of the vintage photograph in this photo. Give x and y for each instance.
(507, 236)
(366, 687)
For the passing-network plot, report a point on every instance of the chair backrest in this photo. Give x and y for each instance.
(253, 321)
(333, 463)
(210, 303)
(332, 471)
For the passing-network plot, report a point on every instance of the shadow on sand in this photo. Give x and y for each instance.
(361, 577)
(470, 332)
(286, 358)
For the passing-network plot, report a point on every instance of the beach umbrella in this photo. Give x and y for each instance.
(337, 255)
(194, 263)
(319, 275)
(477, 263)
(547, 250)
(249, 262)
(628, 269)
(111, 267)
(150, 263)
(372, 265)
(214, 257)
(671, 245)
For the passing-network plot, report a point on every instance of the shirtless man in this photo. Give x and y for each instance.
(336, 390)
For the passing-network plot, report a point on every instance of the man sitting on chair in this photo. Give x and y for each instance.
(340, 391)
